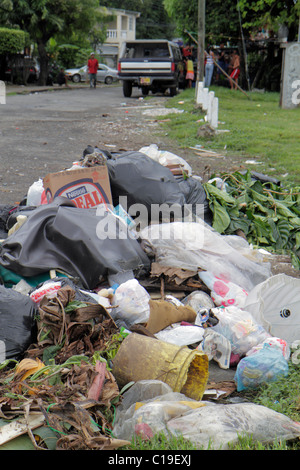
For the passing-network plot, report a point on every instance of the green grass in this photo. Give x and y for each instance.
(258, 129)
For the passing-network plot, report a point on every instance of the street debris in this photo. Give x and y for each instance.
(124, 277)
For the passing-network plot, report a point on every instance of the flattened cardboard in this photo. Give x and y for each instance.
(86, 187)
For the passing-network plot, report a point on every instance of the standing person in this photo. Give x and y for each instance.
(234, 76)
(209, 67)
(92, 70)
(189, 71)
(221, 61)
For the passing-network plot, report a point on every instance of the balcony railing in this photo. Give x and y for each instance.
(113, 34)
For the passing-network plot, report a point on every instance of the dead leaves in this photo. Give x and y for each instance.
(73, 392)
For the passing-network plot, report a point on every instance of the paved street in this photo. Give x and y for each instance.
(45, 131)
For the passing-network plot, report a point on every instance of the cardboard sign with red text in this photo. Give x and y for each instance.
(86, 187)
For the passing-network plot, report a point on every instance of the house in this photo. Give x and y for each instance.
(122, 28)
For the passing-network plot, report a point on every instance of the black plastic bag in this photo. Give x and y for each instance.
(195, 195)
(17, 323)
(64, 237)
(143, 181)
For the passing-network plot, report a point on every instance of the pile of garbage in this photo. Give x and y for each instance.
(117, 295)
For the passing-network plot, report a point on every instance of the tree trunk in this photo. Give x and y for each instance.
(43, 56)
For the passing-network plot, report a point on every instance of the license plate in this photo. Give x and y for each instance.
(145, 80)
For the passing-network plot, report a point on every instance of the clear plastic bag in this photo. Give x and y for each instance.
(194, 245)
(240, 328)
(217, 426)
(198, 300)
(207, 425)
(131, 304)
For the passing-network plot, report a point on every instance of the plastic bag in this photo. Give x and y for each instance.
(216, 347)
(64, 237)
(207, 425)
(17, 323)
(266, 365)
(181, 335)
(278, 343)
(142, 181)
(166, 158)
(131, 303)
(216, 426)
(155, 412)
(223, 292)
(35, 192)
(240, 328)
(198, 300)
(194, 245)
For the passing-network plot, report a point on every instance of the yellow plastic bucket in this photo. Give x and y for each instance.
(144, 358)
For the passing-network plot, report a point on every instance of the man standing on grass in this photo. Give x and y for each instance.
(234, 76)
(92, 70)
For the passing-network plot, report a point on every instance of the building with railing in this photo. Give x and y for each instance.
(121, 28)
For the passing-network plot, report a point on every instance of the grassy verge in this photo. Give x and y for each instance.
(258, 129)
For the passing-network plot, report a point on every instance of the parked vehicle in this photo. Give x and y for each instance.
(105, 74)
(152, 65)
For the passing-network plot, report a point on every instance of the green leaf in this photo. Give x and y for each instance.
(212, 190)
(221, 219)
(239, 224)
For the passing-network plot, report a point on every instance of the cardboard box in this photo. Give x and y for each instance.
(86, 187)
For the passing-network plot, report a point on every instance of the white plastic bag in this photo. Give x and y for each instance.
(181, 335)
(34, 194)
(240, 328)
(166, 158)
(223, 292)
(131, 304)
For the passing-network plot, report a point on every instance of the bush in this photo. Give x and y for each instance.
(12, 41)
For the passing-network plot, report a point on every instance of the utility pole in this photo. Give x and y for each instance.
(201, 40)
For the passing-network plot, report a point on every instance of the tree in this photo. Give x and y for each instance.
(221, 19)
(43, 19)
(271, 14)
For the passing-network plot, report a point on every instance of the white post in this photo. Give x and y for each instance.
(211, 96)
(205, 99)
(215, 113)
(2, 92)
(199, 99)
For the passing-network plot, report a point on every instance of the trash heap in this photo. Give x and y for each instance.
(113, 308)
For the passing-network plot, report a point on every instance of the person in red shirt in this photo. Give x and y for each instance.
(92, 70)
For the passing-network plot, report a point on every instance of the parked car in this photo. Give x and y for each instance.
(105, 74)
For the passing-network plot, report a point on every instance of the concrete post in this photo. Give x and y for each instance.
(215, 113)
(211, 96)
(2, 92)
